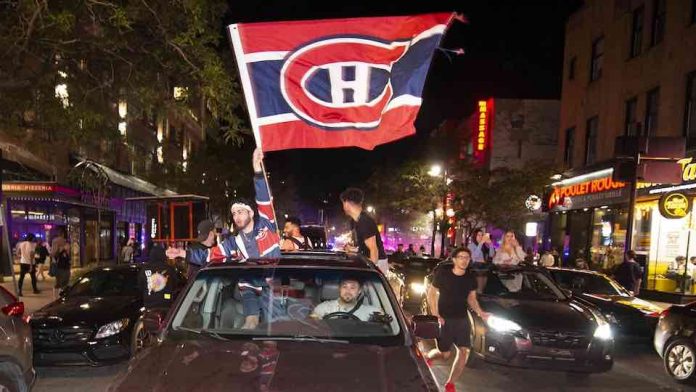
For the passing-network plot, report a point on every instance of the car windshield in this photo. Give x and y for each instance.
(105, 283)
(522, 284)
(589, 283)
(291, 303)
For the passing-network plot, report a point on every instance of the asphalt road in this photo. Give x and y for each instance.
(637, 368)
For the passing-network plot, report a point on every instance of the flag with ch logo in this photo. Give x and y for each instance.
(335, 83)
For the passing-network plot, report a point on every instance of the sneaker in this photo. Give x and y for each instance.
(449, 387)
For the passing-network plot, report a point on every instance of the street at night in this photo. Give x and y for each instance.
(369, 195)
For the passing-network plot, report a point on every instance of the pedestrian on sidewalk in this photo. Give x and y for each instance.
(128, 251)
(62, 261)
(40, 256)
(629, 273)
(26, 262)
(450, 296)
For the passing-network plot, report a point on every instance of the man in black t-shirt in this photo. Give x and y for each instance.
(366, 237)
(629, 273)
(452, 292)
(158, 281)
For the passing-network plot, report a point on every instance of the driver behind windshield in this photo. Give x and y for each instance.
(350, 300)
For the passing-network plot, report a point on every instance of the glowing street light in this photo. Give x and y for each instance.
(371, 209)
(435, 171)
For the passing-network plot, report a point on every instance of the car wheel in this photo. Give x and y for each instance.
(139, 338)
(11, 379)
(680, 360)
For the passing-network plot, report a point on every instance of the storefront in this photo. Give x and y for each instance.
(664, 230)
(587, 219)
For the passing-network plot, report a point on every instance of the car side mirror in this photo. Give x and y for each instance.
(153, 321)
(426, 326)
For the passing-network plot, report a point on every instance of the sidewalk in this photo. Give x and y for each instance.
(33, 302)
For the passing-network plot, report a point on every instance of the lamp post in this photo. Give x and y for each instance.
(437, 171)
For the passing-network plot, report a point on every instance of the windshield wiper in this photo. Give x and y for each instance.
(203, 332)
(301, 338)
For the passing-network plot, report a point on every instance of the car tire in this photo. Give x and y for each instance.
(139, 338)
(11, 379)
(680, 361)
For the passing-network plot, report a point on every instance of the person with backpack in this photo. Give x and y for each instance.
(293, 238)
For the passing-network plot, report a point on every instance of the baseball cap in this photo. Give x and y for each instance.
(204, 227)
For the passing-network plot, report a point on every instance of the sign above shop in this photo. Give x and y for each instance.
(589, 190)
(674, 205)
(28, 187)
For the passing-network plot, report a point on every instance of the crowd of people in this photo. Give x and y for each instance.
(33, 254)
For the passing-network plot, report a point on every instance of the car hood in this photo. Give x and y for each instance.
(286, 365)
(86, 310)
(531, 314)
(630, 302)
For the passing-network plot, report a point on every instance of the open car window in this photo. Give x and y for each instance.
(521, 284)
(288, 298)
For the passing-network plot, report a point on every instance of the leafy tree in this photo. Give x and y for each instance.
(65, 64)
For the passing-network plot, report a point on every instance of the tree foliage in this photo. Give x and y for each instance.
(100, 51)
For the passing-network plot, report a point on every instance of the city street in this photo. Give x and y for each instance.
(638, 368)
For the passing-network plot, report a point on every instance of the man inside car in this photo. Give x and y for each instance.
(350, 301)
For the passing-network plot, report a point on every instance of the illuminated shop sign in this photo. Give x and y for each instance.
(586, 186)
(28, 187)
(482, 128)
(674, 205)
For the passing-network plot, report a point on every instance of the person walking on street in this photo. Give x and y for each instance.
(293, 238)
(62, 268)
(365, 233)
(629, 273)
(26, 250)
(40, 256)
(510, 252)
(128, 251)
(58, 243)
(451, 294)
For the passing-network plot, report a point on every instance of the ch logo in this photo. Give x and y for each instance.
(339, 83)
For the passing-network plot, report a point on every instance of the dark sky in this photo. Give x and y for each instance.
(514, 48)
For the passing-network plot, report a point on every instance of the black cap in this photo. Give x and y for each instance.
(204, 228)
(157, 255)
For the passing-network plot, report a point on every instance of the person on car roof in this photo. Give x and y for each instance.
(350, 301)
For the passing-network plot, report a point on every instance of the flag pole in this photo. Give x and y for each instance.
(238, 51)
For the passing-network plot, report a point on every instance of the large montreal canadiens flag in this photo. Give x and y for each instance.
(335, 83)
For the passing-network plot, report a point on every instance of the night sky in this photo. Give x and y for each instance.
(514, 49)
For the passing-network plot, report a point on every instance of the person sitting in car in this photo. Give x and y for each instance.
(349, 301)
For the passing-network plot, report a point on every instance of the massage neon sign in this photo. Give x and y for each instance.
(483, 121)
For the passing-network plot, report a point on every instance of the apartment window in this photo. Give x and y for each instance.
(658, 21)
(571, 67)
(631, 119)
(569, 147)
(690, 112)
(591, 140)
(597, 57)
(651, 111)
(637, 32)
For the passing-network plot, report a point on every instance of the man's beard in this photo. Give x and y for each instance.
(243, 226)
(352, 300)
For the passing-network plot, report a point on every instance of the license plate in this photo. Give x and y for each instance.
(561, 353)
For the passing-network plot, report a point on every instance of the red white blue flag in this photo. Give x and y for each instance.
(335, 83)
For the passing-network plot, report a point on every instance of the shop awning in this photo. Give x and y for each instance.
(133, 182)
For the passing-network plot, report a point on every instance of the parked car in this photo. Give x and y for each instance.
(534, 324)
(92, 322)
(628, 315)
(675, 341)
(202, 345)
(414, 271)
(16, 368)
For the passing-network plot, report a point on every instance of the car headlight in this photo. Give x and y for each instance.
(418, 288)
(603, 332)
(112, 328)
(502, 325)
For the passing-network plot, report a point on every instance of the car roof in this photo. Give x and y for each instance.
(577, 271)
(305, 259)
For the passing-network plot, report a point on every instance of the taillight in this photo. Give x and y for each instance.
(664, 313)
(14, 309)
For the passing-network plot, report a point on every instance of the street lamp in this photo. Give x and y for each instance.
(371, 209)
(435, 170)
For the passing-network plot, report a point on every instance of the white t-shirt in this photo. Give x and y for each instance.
(363, 312)
(26, 252)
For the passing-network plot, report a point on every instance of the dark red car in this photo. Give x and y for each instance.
(359, 343)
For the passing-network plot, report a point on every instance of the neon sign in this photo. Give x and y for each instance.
(597, 185)
(482, 133)
(28, 187)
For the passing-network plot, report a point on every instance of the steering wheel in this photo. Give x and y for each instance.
(340, 316)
